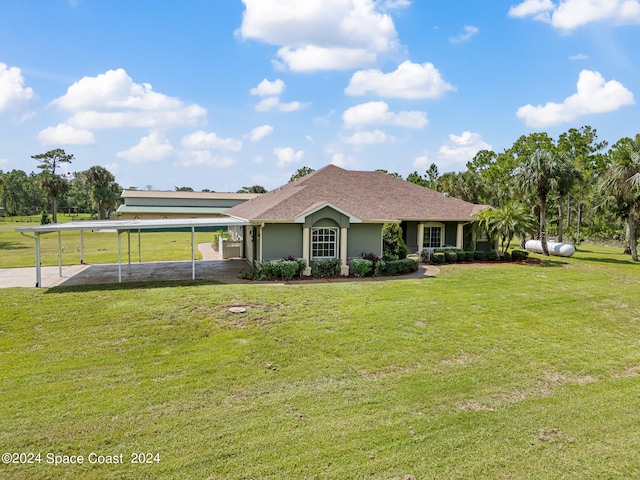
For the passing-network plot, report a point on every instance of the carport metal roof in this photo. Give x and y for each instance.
(119, 226)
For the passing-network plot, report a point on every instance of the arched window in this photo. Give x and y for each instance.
(324, 243)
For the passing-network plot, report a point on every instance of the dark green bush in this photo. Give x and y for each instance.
(469, 246)
(424, 256)
(469, 256)
(479, 256)
(519, 255)
(326, 267)
(437, 258)
(361, 267)
(277, 269)
(450, 256)
(492, 256)
(505, 256)
(400, 267)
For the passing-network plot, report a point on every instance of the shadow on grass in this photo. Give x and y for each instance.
(542, 263)
(611, 261)
(13, 246)
(132, 286)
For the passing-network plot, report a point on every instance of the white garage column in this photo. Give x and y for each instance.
(306, 244)
(344, 268)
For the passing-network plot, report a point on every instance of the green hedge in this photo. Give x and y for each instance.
(399, 267)
(325, 268)
(519, 255)
(276, 269)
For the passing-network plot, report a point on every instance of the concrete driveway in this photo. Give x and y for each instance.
(225, 271)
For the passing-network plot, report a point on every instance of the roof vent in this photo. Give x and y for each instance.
(446, 194)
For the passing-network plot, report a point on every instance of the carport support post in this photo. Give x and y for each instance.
(82, 247)
(38, 267)
(193, 253)
(119, 259)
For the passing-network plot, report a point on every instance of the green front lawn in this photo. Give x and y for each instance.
(18, 250)
(484, 372)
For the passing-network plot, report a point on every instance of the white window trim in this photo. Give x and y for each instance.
(434, 225)
(336, 242)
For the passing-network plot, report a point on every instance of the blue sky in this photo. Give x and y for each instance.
(231, 93)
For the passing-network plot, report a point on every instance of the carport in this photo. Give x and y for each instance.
(192, 225)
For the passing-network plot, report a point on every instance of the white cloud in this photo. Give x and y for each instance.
(152, 148)
(12, 89)
(64, 134)
(366, 138)
(462, 148)
(579, 56)
(271, 92)
(197, 158)
(469, 31)
(311, 57)
(287, 156)
(409, 80)
(260, 133)
(570, 14)
(377, 113)
(201, 140)
(422, 161)
(537, 8)
(594, 95)
(322, 34)
(113, 100)
(274, 103)
(268, 89)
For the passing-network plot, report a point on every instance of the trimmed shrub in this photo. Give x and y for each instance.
(361, 267)
(450, 256)
(437, 258)
(469, 256)
(505, 256)
(492, 256)
(519, 255)
(479, 256)
(277, 269)
(379, 267)
(400, 267)
(326, 267)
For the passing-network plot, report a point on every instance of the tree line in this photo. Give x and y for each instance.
(575, 186)
(49, 191)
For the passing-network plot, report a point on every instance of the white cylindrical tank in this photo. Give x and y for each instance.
(558, 249)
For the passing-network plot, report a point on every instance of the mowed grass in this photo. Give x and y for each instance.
(18, 250)
(484, 372)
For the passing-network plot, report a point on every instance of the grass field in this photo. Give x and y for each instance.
(17, 250)
(484, 372)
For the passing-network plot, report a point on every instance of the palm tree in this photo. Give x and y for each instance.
(510, 220)
(545, 171)
(621, 184)
(104, 190)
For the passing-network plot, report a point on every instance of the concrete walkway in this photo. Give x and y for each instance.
(211, 267)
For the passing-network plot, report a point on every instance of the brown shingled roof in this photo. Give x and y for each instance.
(370, 196)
